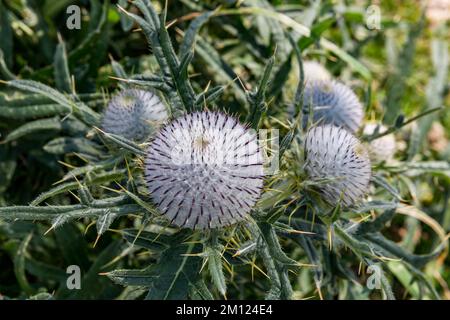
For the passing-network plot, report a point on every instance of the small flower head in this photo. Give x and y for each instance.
(134, 114)
(332, 102)
(314, 71)
(334, 155)
(381, 149)
(204, 170)
(437, 138)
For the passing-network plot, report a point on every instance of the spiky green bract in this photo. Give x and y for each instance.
(383, 148)
(339, 162)
(332, 102)
(134, 114)
(204, 170)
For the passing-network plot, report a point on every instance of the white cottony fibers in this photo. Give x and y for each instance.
(134, 114)
(334, 153)
(204, 170)
(381, 149)
(314, 71)
(332, 102)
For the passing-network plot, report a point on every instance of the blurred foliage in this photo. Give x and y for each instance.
(60, 176)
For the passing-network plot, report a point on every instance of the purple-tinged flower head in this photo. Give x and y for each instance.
(134, 114)
(383, 148)
(314, 71)
(332, 102)
(337, 159)
(204, 170)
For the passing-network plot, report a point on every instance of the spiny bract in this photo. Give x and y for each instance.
(133, 114)
(381, 149)
(332, 102)
(334, 153)
(314, 71)
(204, 170)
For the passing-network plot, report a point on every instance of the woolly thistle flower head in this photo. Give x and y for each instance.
(332, 102)
(381, 149)
(314, 71)
(204, 170)
(334, 153)
(134, 114)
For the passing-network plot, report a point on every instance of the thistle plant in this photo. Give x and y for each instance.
(336, 156)
(204, 170)
(134, 114)
(332, 102)
(161, 191)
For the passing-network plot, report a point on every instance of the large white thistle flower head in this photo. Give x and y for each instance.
(332, 102)
(383, 148)
(134, 114)
(339, 163)
(204, 170)
(314, 71)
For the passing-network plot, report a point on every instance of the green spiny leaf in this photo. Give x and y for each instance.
(61, 68)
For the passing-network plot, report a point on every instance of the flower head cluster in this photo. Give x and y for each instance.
(314, 71)
(332, 102)
(383, 148)
(204, 170)
(335, 155)
(134, 114)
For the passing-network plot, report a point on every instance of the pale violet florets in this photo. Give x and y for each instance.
(332, 102)
(339, 163)
(134, 114)
(383, 148)
(314, 71)
(204, 170)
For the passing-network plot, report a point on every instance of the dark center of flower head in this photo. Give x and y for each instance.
(128, 101)
(200, 142)
(326, 87)
(359, 150)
